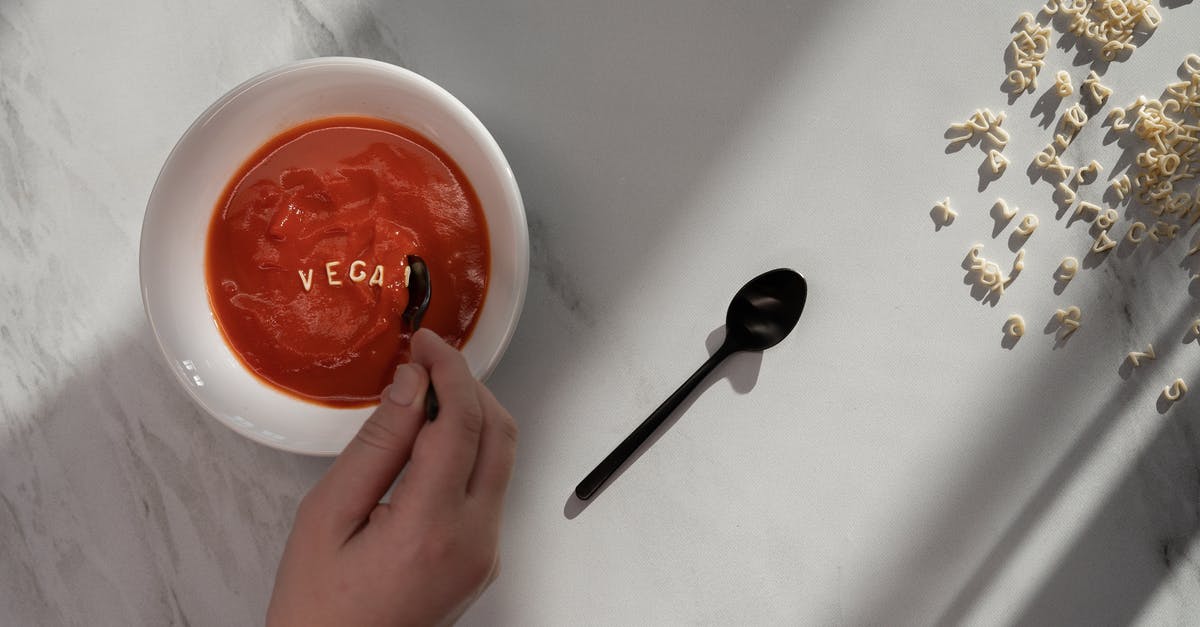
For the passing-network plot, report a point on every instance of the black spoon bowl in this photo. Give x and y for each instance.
(760, 315)
(420, 292)
(765, 311)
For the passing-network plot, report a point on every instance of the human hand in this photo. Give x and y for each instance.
(425, 556)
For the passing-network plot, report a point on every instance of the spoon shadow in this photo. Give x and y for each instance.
(740, 369)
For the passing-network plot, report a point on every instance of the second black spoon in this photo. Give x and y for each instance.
(761, 314)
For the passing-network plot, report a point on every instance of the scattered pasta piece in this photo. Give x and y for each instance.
(1015, 326)
(1169, 130)
(1137, 358)
(1092, 87)
(1069, 319)
(1136, 233)
(982, 124)
(1160, 177)
(1141, 100)
(1175, 391)
(996, 135)
(1028, 225)
(1063, 170)
(1120, 186)
(1074, 118)
(1191, 64)
(1062, 84)
(1164, 230)
(943, 215)
(997, 161)
(991, 277)
(1004, 210)
(1103, 243)
(1067, 269)
(977, 260)
(1116, 115)
(1022, 81)
(1028, 47)
(1068, 194)
(1111, 49)
(988, 272)
(1107, 219)
(1087, 211)
(1047, 156)
(1088, 173)
(1107, 25)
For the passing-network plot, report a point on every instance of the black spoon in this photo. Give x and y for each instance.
(420, 291)
(761, 314)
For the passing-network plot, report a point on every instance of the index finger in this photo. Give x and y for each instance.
(445, 451)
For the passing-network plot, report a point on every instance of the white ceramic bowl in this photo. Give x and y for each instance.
(208, 155)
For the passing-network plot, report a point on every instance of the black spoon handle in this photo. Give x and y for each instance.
(431, 404)
(431, 400)
(591, 483)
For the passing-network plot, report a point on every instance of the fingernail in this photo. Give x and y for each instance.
(405, 385)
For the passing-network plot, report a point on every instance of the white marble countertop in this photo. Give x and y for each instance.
(890, 463)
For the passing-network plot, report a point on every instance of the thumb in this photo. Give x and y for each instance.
(369, 464)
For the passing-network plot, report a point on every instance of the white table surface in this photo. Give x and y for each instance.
(890, 463)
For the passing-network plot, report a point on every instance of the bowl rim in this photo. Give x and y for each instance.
(459, 110)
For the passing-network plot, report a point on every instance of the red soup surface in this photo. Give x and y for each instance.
(307, 251)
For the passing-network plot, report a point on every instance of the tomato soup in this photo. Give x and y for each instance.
(307, 253)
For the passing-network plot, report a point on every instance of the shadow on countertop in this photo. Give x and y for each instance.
(1073, 593)
(1112, 569)
(119, 485)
